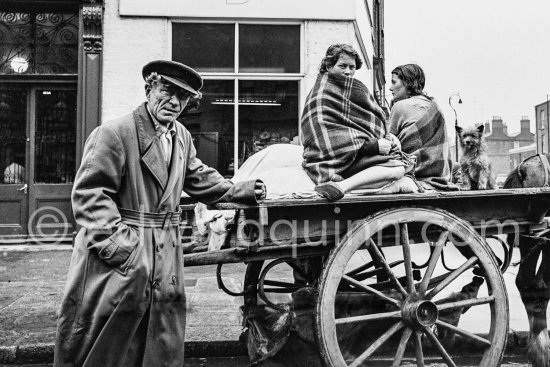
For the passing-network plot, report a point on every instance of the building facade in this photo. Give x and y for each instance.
(500, 142)
(542, 114)
(68, 65)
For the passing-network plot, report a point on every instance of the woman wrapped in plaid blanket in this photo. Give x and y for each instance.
(346, 144)
(418, 122)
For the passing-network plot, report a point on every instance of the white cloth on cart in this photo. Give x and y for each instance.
(279, 166)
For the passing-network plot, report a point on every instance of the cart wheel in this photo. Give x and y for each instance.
(420, 312)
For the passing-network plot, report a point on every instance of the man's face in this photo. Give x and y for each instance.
(166, 101)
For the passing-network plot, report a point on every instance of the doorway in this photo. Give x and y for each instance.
(38, 162)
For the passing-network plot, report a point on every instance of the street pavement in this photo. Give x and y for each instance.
(32, 281)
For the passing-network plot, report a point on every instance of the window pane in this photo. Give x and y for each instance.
(269, 48)
(212, 125)
(268, 114)
(13, 122)
(204, 47)
(38, 43)
(55, 146)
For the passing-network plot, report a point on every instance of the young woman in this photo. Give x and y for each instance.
(344, 131)
(419, 124)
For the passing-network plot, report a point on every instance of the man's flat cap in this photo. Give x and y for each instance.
(176, 73)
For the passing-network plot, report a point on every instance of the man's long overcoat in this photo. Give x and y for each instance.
(124, 302)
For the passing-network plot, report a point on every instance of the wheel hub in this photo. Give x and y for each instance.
(420, 313)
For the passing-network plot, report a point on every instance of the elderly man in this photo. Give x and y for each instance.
(124, 302)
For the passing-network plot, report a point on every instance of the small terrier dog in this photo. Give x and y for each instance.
(475, 165)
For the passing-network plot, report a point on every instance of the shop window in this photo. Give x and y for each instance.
(268, 114)
(38, 43)
(205, 47)
(212, 125)
(269, 48)
(251, 91)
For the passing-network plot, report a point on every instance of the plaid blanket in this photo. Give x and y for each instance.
(339, 115)
(420, 126)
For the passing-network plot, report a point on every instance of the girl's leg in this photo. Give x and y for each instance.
(371, 178)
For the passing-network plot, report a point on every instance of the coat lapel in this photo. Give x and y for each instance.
(150, 147)
(176, 164)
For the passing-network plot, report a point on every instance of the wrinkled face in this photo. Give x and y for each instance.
(344, 66)
(397, 88)
(166, 101)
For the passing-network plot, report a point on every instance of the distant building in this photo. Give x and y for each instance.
(500, 142)
(542, 112)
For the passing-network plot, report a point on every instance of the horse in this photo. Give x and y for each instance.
(534, 284)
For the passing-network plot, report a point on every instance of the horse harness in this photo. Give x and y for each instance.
(545, 164)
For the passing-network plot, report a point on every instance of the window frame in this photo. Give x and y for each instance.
(237, 77)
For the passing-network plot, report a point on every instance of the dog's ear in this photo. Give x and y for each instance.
(458, 129)
(481, 128)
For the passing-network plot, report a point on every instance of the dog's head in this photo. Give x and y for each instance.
(470, 137)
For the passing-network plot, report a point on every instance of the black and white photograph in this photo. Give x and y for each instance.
(259, 183)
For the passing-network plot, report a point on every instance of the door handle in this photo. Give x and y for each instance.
(24, 189)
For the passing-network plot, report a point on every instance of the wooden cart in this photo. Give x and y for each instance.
(391, 265)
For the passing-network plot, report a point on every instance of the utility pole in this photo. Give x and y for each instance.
(456, 121)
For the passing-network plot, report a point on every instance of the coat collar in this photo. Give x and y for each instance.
(150, 147)
(151, 151)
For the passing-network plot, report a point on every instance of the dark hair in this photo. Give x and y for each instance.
(413, 78)
(333, 54)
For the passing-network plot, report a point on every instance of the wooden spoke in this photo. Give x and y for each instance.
(359, 269)
(368, 274)
(464, 333)
(454, 274)
(418, 349)
(371, 290)
(402, 346)
(375, 316)
(377, 344)
(433, 262)
(439, 347)
(465, 303)
(407, 256)
(378, 257)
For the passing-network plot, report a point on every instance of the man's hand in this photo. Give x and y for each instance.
(259, 190)
(384, 146)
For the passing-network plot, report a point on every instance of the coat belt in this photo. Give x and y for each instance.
(149, 220)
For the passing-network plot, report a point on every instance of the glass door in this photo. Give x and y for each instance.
(38, 160)
(14, 115)
(52, 163)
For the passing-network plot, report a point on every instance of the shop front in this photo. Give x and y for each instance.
(258, 59)
(66, 66)
(40, 126)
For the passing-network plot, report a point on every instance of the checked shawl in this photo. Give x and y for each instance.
(339, 115)
(420, 126)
